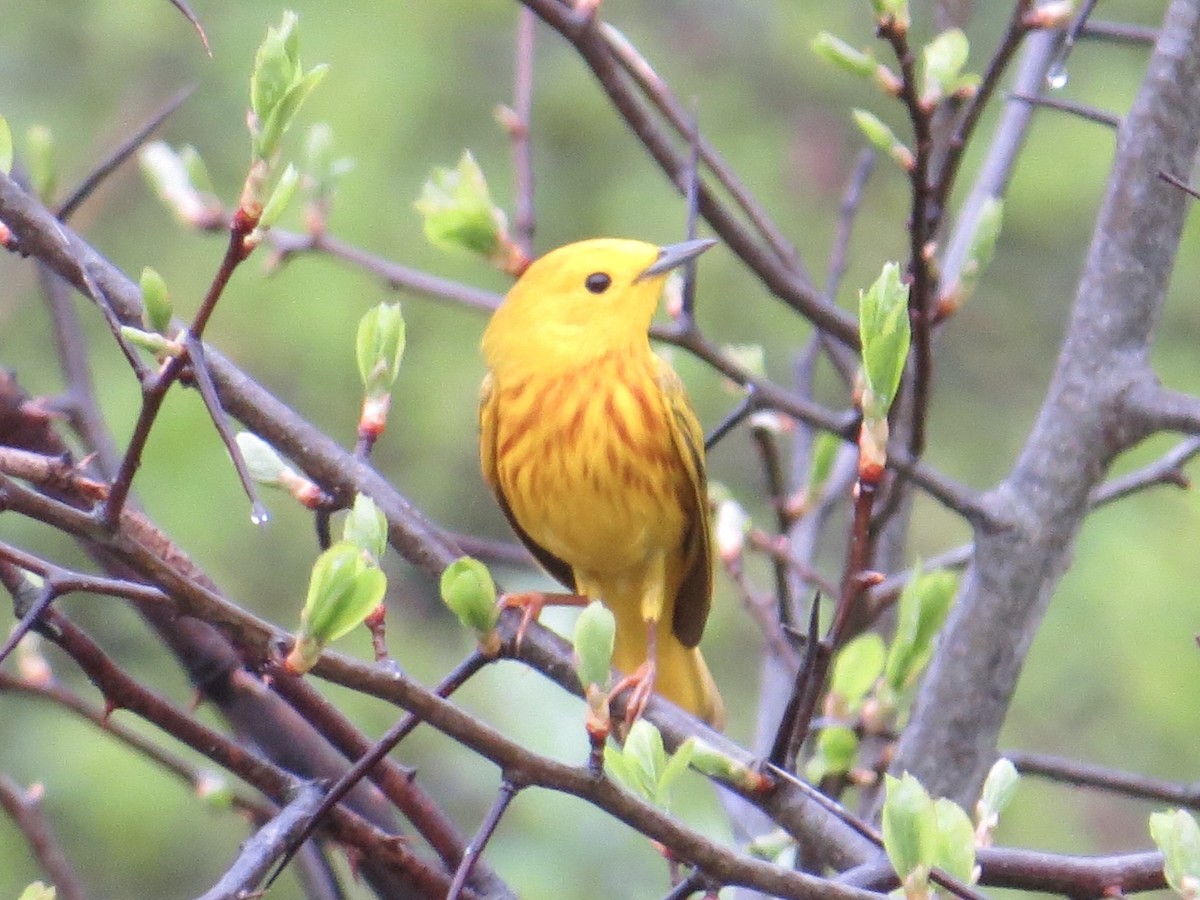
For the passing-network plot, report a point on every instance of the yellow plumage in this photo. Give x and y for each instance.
(592, 450)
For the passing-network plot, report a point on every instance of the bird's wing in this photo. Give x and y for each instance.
(488, 410)
(694, 598)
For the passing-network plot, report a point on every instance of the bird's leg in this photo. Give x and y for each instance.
(640, 682)
(531, 604)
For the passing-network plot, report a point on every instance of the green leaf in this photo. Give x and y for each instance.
(643, 759)
(38, 891)
(170, 176)
(467, 588)
(278, 85)
(945, 56)
(39, 160)
(856, 668)
(6, 147)
(595, 632)
(322, 170)
(676, 765)
(998, 788)
(459, 213)
(956, 841)
(281, 196)
(884, 328)
(983, 245)
(836, 752)
(280, 119)
(822, 457)
(150, 341)
(264, 464)
(379, 347)
(156, 302)
(708, 760)
(909, 828)
(833, 49)
(1178, 837)
(343, 590)
(921, 611)
(366, 527)
(275, 68)
(197, 171)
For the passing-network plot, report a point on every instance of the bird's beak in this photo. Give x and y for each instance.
(674, 255)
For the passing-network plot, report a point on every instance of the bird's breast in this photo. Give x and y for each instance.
(588, 464)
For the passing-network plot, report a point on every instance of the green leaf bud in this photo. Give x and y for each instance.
(595, 632)
(955, 841)
(945, 56)
(909, 829)
(39, 160)
(6, 147)
(279, 85)
(379, 347)
(264, 464)
(708, 760)
(156, 302)
(1176, 834)
(833, 49)
(167, 172)
(343, 590)
(151, 341)
(883, 138)
(837, 749)
(885, 331)
(281, 196)
(921, 611)
(366, 527)
(856, 668)
(467, 588)
(459, 213)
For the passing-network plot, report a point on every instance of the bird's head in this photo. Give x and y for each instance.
(586, 297)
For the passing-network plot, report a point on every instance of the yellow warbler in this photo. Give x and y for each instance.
(594, 454)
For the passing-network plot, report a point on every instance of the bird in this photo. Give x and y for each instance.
(593, 452)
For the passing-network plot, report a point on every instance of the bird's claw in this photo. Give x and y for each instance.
(640, 685)
(531, 604)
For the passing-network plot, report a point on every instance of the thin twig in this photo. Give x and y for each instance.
(155, 392)
(371, 758)
(113, 161)
(508, 790)
(1119, 33)
(191, 17)
(259, 851)
(777, 276)
(1101, 778)
(524, 222)
(24, 807)
(1082, 110)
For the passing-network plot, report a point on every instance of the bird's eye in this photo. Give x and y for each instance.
(597, 282)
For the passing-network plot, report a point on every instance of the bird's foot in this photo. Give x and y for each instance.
(531, 604)
(640, 684)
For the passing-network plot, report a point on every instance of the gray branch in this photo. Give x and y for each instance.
(1086, 420)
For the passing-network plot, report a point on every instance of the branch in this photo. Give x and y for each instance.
(776, 275)
(1083, 425)
(24, 807)
(1127, 784)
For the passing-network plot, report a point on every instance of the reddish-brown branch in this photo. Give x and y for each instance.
(25, 809)
(155, 391)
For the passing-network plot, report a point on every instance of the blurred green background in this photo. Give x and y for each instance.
(1112, 675)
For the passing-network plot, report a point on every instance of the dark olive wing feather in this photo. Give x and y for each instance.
(694, 599)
